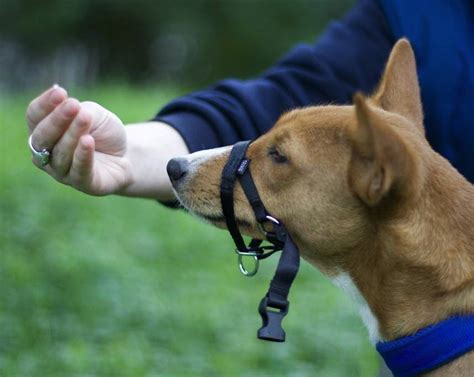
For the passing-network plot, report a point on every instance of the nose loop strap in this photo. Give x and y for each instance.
(227, 192)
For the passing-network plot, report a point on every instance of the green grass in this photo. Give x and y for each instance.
(125, 287)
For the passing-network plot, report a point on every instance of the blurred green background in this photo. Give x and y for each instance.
(125, 287)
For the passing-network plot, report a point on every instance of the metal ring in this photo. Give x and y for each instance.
(247, 253)
(242, 268)
(41, 157)
(270, 219)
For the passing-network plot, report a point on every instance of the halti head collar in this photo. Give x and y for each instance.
(274, 306)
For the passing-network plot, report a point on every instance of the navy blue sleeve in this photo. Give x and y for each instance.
(349, 56)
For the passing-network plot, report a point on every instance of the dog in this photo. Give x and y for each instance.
(366, 200)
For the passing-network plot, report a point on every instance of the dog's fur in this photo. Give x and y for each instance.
(366, 200)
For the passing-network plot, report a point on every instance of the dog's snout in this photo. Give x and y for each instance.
(177, 168)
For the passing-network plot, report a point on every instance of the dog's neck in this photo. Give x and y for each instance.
(418, 269)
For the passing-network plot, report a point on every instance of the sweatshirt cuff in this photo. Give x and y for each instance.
(194, 129)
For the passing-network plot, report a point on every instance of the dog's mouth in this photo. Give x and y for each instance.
(221, 220)
(218, 220)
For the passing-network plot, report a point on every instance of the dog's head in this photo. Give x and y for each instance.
(362, 194)
(322, 170)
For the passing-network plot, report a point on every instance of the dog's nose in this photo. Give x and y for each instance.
(177, 168)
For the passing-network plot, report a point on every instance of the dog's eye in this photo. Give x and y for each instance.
(277, 156)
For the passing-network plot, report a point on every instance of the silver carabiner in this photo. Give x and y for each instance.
(242, 268)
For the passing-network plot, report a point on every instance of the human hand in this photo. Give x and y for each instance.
(86, 141)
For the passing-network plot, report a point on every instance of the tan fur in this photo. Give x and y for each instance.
(363, 193)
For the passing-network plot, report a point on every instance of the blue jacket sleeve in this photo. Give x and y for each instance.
(349, 56)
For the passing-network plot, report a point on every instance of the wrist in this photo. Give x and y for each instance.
(149, 148)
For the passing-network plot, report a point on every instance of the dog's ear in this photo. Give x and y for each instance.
(399, 91)
(380, 160)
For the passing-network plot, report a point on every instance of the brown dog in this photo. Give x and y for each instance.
(366, 200)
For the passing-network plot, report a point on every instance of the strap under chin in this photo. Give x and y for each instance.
(275, 305)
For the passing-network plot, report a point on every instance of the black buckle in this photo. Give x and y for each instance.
(271, 321)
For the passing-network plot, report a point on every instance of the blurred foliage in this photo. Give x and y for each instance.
(187, 41)
(125, 287)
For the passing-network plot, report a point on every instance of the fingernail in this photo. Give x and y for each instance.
(55, 86)
(70, 108)
(56, 97)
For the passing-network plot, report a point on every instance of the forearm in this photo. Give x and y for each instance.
(150, 146)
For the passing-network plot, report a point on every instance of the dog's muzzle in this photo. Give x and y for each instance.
(274, 306)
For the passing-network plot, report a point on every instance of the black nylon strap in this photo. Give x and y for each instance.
(277, 295)
(285, 274)
(288, 265)
(229, 175)
(278, 236)
(251, 193)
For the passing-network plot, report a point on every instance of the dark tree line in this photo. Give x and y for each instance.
(193, 41)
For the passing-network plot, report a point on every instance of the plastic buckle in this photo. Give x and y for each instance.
(271, 322)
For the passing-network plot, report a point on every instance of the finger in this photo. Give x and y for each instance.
(83, 161)
(51, 128)
(46, 168)
(63, 152)
(42, 105)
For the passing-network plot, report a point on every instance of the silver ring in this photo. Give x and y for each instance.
(270, 219)
(40, 157)
(247, 253)
(244, 270)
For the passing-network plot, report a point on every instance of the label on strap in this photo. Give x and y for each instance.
(243, 166)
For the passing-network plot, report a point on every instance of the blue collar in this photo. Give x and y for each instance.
(430, 347)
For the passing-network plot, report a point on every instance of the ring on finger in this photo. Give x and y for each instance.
(41, 157)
